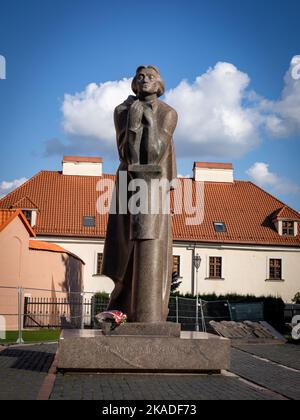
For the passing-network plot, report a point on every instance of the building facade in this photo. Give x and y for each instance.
(248, 240)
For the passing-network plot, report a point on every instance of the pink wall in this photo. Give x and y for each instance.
(21, 266)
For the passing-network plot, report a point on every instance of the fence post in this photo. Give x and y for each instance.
(20, 294)
(82, 301)
(229, 307)
(202, 316)
(177, 314)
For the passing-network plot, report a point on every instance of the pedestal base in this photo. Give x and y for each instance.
(158, 329)
(91, 350)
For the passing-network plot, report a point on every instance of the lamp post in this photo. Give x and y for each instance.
(197, 263)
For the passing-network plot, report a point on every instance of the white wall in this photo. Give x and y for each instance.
(245, 269)
(82, 168)
(213, 174)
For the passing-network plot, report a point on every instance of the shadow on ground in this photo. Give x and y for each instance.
(29, 359)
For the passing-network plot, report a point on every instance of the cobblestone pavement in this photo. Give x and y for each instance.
(287, 355)
(153, 387)
(23, 370)
(267, 374)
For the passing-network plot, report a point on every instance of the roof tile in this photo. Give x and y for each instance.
(213, 165)
(245, 209)
(24, 203)
(82, 159)
(286, 213)
(47, 246)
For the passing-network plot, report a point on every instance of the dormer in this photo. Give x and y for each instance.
(286, 221)
(29, 209)
(213, 172)
(84, 166)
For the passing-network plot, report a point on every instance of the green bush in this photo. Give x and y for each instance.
(100, 302)
(296, 299)
(101, 295)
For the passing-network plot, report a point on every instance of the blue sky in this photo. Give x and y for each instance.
(225, 62)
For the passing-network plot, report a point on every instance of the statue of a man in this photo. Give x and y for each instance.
(138, 247)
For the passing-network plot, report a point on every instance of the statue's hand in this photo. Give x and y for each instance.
(135, 115)
(148, 114)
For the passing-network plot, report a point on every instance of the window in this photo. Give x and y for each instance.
(275, 269)
(27, 214)
(99, 264)
(176, 265)
(215, 267)
(220, 227)
(288, 228)
(88, 221)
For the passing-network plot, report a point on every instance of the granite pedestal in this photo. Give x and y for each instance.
(192, 352)
(158, 329)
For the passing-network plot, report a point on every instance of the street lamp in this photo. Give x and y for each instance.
(197, 263)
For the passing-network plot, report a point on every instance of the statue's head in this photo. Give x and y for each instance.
(147, 81)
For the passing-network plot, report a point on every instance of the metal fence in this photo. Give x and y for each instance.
(253, 311)
(78, 310)
(32, 308)
(35, 309)
(290, 311)
(183, 310)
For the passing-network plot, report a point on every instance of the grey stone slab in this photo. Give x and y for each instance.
(274, 332)
(92, 351)
(247, 332)
(166, 329)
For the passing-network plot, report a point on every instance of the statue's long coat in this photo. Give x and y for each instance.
(119, 249)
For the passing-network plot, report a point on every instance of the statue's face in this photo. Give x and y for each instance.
(147, 82)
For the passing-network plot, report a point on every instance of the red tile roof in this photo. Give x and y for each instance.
(82, 159)
(47, 246)
(246, 210)
(211, 165)
(8, 215)
(62, 200)
(24, 203)
(285, 213)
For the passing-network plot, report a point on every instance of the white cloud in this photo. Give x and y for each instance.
(262, 176)
(212, 119)
(90, 113)
(183, 176)
(8, 186)
(218, 115)
(283, 116)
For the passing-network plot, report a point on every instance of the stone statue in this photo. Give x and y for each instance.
(138, 247)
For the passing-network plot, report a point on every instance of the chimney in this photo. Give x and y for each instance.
(213, 172)
(84, 166)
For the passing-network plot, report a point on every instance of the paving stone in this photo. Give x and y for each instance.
(272, 376)
(285, 354)
(23, 370)
(156, 387)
